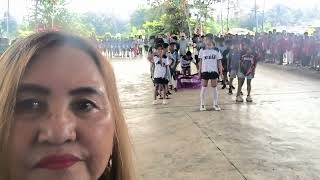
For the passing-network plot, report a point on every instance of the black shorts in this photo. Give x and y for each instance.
(209, 75)
(196, 57)
(160, 81)
(188, 68)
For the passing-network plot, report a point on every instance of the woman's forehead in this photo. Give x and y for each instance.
(63, 66)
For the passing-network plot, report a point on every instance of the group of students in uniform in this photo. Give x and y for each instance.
(217, 59)
(125, 47)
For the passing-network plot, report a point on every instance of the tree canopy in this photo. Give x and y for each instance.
(156, 17)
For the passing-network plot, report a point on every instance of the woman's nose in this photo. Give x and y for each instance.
(57, 128)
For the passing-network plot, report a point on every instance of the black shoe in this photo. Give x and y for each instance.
(230, 91)
(175, 89)
(169, 93)
(241, 93)
(224, 86)
(233, 87)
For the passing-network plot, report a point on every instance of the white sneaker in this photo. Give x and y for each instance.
(203, 108)
(249, 99)
(164, 102)
(216, 108)
(239, 99)
(155, 102)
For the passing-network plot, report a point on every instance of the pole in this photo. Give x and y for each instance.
(8, 16)
(228, 15)
(264, 7)
(188, 18)
(36, 16)
(255, 14)
(221, 17)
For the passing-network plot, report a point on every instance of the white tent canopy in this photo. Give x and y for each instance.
(240, 31)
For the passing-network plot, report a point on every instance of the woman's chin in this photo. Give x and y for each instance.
(77, 171)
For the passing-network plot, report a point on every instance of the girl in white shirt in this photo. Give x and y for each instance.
(210, 66)
(160, 71)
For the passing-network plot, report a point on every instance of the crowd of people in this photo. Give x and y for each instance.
(122, 47)
(289, 48)
(224, 58)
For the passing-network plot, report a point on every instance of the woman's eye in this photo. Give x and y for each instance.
(84, 106)
(29, 106)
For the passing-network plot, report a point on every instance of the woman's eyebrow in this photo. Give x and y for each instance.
(33, 88)
(88, 90)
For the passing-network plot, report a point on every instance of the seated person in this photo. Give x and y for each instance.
(185, 62)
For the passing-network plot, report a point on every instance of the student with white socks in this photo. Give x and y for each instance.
(210, 66)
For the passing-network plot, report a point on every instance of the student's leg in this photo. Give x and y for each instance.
(249, 98)
(240, 84)
(214, 83)
(156, 87)
(166, 89)
(225, 79)
(203, 91)
(174, 80)
(249, 87)
(164, 93)
(230, 85)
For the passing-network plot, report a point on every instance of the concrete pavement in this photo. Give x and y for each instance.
(275, 138)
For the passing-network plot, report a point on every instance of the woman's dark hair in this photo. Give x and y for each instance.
(159, 41)
(158, 46)
(165, 45)
(189, 53)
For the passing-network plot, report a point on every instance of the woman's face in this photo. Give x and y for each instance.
(208, 42)
(160, 51)
(63, 128)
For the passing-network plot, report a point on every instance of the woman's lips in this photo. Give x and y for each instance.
(57, 162)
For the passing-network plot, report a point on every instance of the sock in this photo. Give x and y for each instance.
(174, 83)
(215, 96)
(202, 95)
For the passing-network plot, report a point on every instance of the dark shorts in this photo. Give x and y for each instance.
(209, 75)
(196, 57)
(188, 68)
(160, 81)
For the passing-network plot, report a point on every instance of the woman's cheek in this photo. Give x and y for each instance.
(98, 139)
(22, 135)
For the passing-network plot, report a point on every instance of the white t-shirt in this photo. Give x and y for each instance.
(185, 63)
(160, 68)
(209, 59)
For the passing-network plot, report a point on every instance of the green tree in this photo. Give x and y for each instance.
(13, 26)
(279, 15)
(48, 13)
(139, 16)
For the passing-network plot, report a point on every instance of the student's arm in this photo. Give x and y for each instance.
(200, 61)
(150, 57)
(178, 62)
(255, 63)
(229, 61)
(200, 66)
(220, 67)
(193, 61)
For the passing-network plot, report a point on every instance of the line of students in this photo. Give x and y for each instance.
(234, 59)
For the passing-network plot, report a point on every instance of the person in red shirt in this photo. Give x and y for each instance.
(306, 50)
